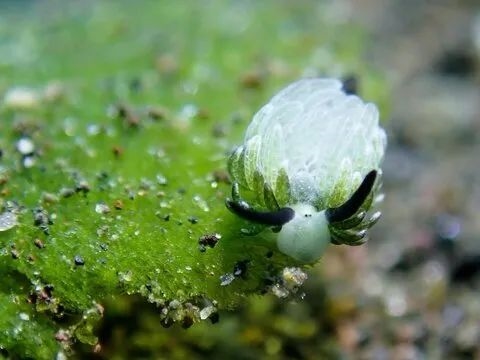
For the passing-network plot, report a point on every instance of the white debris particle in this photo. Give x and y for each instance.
(69, 126)
(164, 204)
(174, 304)
(24, 316)
(54, 91)
(25, 146)
(280, 292)
(206, 312)
(190, 88)
(293, 277)
(125, 276)
(29, 161)
(93, 129)
(61, 356)
(102, 208)
(201, 203)
(289, 283)
(395, 301)
(8, 220)
(226, 279)
(161, 180)
(21, 98)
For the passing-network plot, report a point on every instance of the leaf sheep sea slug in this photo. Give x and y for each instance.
(310, 167)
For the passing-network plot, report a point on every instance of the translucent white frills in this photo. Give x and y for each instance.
(319, 135)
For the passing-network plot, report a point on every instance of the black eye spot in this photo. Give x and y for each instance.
(308, 215)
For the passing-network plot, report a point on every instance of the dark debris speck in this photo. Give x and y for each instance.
(157, 113)
(187, 322)
(214, 318)
(66, 192)
(39, 243)
(82, 186)
(79, 260)
(167, 322)
(117, 151)
(127, 114)
(240, 268)
(221, 176)
(135, 85)
(219, 131)
(118, 204)
(253, 79)
(209, 240)
(466, 270)
(456, 62)
(42, 220)
(193, 219)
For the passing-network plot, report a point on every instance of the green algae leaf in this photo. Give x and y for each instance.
(113, 139)
(25, 332)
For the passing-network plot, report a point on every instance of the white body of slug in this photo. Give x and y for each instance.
(325, 141)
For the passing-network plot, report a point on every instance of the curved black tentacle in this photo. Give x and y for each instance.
(352, 205)
(273, 218)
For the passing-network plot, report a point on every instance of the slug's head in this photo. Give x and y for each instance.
(306, 236)
(304, 232)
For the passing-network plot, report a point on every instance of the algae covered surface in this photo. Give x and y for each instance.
(115, 125)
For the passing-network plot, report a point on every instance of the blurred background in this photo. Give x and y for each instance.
(412, 292)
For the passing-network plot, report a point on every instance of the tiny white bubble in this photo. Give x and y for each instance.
(25, 146)
(8, 220)
(102, 208)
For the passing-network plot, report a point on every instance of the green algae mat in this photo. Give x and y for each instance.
(116, 121)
